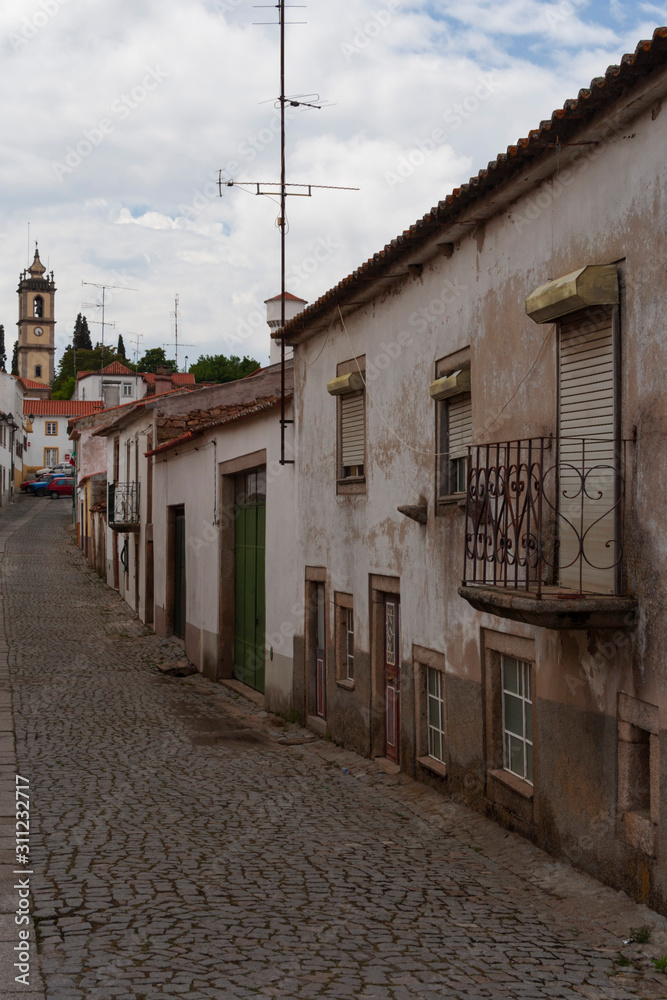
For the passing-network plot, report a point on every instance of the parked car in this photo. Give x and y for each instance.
(59, 486)
(27, 486)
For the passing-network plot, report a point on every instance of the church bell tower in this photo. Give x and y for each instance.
(37, 323)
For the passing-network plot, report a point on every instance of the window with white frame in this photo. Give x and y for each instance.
(50, 456)
(344, 619)
(435, 714)
(51, 428)
(127, 388)
(517, 705)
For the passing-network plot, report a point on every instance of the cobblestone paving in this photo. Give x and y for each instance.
(183, 850)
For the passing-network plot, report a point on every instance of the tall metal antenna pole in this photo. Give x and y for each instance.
(104, 288)
(283, 193)
(175, 344)
(264, 188)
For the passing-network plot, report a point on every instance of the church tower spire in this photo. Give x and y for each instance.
(36, 323)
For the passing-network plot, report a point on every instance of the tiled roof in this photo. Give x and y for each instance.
(61, 407)
(236, 412)
(288, 298)
(177, 378)
(29, 383)
(116, 368)
(552, 134)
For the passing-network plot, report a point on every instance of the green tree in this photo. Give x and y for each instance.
(120, 350)
(3, 352)
(15, 358)
(218, 368)
(155, 358)
(66, 389)
(82, 339)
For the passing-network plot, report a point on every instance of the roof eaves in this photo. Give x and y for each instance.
(542, 141)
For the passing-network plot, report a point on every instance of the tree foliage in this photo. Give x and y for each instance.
(3, 352)
(66, 389)
(120, 350)
(155, 358)
(82, 339)
(15, 358)
(219, 368)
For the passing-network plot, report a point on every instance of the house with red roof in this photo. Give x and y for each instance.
(47, 436)
(116, 384)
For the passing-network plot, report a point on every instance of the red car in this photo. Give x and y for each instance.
(59, 486)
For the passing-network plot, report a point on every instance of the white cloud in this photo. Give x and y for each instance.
(115, 119)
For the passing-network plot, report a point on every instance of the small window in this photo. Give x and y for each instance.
(517, 717)
(38, 306)
(51, 428)
(352, 435)
(344, 639)
(50, 457)
(38, 371)
(435, 714)
(451, 391)
(127, 389)
(349, 388)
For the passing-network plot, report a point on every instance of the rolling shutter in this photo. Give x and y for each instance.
(352, 433)
(459, 425)
(587, 476)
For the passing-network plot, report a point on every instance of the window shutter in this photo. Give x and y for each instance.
(459, 425)
(352, 430)
(586, 382)
(586, 470)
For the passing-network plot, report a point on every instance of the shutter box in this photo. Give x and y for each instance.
(345, 383)
(451, 385)
(593, 285)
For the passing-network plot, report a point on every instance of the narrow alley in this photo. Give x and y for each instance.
(185, 844)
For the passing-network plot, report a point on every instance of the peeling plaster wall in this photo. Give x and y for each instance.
(609, 205)
(187, 475)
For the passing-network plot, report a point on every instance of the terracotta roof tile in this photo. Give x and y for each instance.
(62, 407)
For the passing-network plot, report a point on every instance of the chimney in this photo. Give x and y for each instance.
(162, 380)
(293, 306)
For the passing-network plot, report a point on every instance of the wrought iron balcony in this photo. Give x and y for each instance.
(545, 532)
(123, 506)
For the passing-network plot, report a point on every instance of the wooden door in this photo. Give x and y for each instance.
(320, 653)
(179, 572)
(392, 687)
(249, 569)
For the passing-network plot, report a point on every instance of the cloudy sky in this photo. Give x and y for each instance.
(115, 119)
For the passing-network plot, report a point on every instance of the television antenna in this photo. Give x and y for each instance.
(175, 342)
(272, 188)
(98, 305)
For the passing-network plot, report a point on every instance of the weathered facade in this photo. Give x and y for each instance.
(480, 421)
(197, 523)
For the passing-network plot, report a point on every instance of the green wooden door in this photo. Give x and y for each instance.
(249, 533)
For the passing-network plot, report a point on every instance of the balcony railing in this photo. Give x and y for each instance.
(123, 506)
(545, 516)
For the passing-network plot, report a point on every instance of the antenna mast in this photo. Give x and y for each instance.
(96, 305)
(283, 185)
(175, 343)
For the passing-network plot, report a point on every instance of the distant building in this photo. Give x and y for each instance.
(116, 384)
(48, 441)
(36, 324)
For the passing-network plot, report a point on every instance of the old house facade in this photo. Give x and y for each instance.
(480, 425)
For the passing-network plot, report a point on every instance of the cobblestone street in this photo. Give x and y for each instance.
(184, 844)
